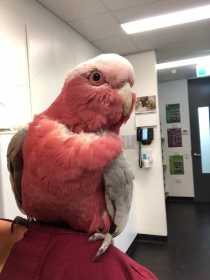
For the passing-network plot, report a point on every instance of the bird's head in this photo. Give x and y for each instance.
(97, 95)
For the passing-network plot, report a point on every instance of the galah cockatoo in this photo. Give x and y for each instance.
(68, 164)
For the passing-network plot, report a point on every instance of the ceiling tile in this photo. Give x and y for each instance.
(99, 22)
(191, 41)
(116, 44)
(181, 51)
(123, 4)
(97, 27)
(164, 38)
(153, 8)
(71, 9)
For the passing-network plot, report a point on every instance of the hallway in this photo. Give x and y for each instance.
(186, 254)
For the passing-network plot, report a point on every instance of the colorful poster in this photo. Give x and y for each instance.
(173, 113)
(176, 165)
(174, 137)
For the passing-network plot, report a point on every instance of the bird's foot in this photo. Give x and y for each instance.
(107, 240)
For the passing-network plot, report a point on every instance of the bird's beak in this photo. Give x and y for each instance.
(127, 96)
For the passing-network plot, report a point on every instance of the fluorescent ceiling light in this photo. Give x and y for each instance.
(171, 19)
(184, 62)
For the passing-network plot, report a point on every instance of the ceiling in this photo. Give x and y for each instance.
(99, 22)
(179, 73)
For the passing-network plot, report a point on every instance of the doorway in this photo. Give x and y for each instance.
(199, 105)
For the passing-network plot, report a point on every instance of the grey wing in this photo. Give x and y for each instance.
(118, 181)
(15, 163)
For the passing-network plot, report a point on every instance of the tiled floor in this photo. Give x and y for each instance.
(186, 254)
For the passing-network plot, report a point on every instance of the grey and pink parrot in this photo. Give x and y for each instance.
(68, 164)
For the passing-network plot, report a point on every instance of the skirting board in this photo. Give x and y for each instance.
(145, 238)
(179, 199)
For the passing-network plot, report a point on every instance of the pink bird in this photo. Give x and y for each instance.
(67, 149)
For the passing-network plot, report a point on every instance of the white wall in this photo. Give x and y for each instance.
(148, 215)
(169, 93)
(53, 48)
(14, 93)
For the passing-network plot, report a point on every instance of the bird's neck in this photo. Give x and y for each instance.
(82, 120)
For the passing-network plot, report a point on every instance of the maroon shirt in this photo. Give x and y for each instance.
(60, 254)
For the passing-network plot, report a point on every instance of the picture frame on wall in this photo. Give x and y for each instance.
(145, 104)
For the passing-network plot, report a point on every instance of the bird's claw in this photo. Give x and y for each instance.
(107, 240)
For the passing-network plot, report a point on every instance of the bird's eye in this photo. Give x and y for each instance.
(96, 78)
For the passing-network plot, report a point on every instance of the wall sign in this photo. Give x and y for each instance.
(173, 113)
(174, 137)
(176, 163)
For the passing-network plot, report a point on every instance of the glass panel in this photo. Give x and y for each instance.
(204, 130)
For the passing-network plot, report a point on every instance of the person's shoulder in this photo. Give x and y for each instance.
(8, 238)
(6, 234)
(5, 228)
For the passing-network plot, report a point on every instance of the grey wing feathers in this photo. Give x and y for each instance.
(118, 180)
(15, 163)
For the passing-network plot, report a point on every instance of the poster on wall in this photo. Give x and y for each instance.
(174, 137)
(146, 104)
(173, 113)
(176, 165)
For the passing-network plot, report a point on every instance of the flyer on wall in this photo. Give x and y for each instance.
(174, 137)
(173, 113)
(176, 163)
